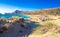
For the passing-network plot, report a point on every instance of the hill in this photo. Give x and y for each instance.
(51, 11)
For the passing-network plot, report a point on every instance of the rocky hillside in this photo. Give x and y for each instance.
(52, 11)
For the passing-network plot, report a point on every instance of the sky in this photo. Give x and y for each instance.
(11, 5)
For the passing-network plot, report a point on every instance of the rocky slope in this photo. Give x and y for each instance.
(52, 11)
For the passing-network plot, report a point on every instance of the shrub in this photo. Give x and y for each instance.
(15, 17)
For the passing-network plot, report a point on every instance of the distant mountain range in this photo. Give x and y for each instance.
(51, 11)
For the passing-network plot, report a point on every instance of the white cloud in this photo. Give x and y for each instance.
(7, 9)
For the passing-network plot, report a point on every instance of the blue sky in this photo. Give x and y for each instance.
(11, 5)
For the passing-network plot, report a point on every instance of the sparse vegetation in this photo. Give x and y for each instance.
(15, 17)
(55, 11)
(44, 27)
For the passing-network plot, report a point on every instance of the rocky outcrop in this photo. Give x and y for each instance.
(16, 27)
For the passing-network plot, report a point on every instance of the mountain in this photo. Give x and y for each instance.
(17, 12)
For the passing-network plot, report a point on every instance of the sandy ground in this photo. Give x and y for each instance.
(53, 32)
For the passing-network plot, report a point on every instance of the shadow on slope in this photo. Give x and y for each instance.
(14, 28)
(30, 27)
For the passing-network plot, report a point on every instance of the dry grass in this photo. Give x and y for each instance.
(46, 29)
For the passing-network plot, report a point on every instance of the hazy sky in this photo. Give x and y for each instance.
(11, 5)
